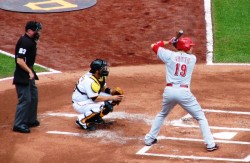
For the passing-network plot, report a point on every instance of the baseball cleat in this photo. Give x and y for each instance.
(151, 143)
(85, 127)
(91, 128)
(99, 121)
(213, 148)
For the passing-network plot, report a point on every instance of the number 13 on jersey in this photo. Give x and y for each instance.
(180, 69)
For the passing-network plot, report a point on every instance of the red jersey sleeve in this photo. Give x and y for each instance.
(157, 45)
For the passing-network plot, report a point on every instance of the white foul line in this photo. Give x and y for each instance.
(51, 71)
(209, 36)
(209, 31)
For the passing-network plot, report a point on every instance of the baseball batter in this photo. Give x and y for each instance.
(179, 68)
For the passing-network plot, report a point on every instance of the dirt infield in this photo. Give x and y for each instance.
(121, 32)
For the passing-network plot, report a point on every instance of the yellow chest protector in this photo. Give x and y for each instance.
(95, 86)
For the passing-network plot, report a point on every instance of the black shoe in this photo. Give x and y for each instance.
(151, 143)
(213, 148)
(22, 128)
(99, 121)
(34, 124)
(89, 127)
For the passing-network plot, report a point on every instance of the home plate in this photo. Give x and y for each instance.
(224, 135)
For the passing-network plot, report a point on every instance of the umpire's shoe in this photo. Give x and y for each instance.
(21, 128)
(89, 127)
(34, 124)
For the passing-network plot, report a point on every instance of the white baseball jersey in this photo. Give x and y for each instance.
(84, 91)
(87, 87)
(179, 66)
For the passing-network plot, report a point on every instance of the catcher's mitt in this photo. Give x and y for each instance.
(116, 91)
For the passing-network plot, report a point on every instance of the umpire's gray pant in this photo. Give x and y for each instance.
(26, 110)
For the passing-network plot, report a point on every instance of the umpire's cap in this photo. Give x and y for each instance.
(33, 25)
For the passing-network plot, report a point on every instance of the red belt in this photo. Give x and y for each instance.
(182, 85)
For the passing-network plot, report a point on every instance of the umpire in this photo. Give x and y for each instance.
(24, 78)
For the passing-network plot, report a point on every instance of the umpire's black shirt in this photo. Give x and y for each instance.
(26, 49)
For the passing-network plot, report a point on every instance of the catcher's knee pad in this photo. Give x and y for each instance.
(87, 117)
(106, 109)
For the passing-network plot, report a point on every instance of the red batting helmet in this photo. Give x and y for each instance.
(184, 44)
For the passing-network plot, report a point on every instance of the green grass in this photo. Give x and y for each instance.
(7, 66)
(231, 20)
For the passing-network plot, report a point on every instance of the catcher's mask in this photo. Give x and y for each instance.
(34, 26)
(100, 65)
(184, 44)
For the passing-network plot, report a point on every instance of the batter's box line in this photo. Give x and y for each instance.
(179, 123)
(144, 150)
(226, 111)
(148, 120)
(247, 159)
(187, 117)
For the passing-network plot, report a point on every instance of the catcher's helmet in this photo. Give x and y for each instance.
(33, 25)
(184, 44)
(100, 65)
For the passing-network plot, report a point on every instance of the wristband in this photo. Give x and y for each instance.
(157, 45)
(160, 43)
(107, 90)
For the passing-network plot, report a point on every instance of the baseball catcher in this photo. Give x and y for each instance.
(92, 98)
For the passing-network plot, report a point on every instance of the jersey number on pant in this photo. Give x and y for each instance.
(180, 69)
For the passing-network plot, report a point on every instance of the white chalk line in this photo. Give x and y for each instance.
(209, 37)
(51, 71)
(146, 148)
(113, 137)
(148, 120)
(145, 118)
(179, 123)
(106, 136)
(201, 140)
(226, 111)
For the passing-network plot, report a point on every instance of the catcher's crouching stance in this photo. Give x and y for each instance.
(92, 98)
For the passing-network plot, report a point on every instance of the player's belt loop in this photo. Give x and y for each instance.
(182, 85)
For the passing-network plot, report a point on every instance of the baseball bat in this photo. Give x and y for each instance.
(179, 34)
